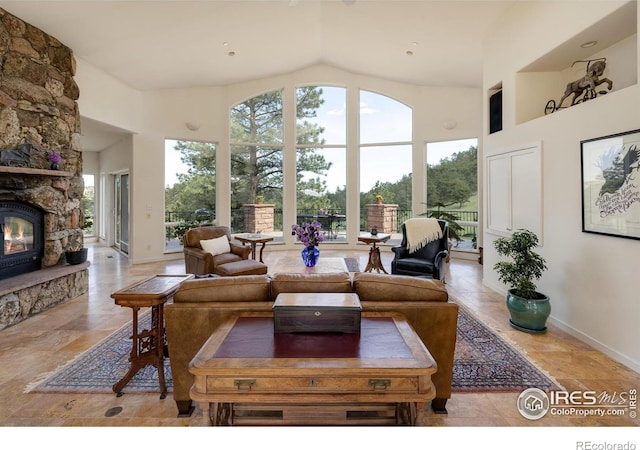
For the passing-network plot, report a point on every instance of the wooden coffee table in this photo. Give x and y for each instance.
(246, 374)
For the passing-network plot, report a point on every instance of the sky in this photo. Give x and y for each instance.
(88, 180)
(382, 119)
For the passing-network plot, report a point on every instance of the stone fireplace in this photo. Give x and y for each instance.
(41, 212)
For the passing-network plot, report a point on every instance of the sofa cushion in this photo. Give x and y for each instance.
(372, 287)
(246, 288)
(216, 246)
(310, 282)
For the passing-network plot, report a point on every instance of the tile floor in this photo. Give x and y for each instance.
(43, 342)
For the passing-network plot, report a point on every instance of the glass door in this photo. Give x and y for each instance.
(122, 212)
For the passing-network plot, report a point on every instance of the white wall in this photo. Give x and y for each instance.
(591, 278)
(106, 99)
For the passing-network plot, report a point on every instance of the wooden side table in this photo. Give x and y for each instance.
(375, 262)
(148, 346)
(254, 240)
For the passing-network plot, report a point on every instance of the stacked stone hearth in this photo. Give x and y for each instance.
(38, 106)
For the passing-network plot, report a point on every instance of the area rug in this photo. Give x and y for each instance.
(103, 365)
(484, 362)
(352, 264)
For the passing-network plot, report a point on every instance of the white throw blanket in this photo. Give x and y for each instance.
(421, 231)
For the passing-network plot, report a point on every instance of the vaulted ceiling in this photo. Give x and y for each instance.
(176, 44)
(151, 44)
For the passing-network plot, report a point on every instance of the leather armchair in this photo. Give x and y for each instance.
(426, 261)
(199, 262)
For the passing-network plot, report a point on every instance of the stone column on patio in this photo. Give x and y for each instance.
(258, 218)
(382, 216)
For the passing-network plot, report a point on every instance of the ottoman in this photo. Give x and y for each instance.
(244, 267)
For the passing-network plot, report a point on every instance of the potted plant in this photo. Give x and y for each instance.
(76, 255)
(529, 309)
(379, 199)
(259, 199)
(55, 159)
(454, 227)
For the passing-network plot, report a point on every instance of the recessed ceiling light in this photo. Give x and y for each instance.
(225, 43)
(589, 44)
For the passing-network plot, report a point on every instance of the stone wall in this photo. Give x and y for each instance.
(384, 217)
(258, 218)
(38, 106)
(26, 295)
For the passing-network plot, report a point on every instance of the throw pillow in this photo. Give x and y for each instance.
(216, 246)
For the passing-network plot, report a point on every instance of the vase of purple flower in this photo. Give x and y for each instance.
(310, 234)
(55, 159)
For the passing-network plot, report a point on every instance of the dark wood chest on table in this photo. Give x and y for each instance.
(317, 313)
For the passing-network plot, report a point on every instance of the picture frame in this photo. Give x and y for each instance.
(610, 167)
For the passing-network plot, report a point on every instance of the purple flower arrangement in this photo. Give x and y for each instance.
(54, 158)
(310, 234)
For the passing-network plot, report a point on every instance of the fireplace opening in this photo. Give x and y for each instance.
(22, 228)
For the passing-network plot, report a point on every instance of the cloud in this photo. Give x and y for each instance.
(364, 109)
(336, 112)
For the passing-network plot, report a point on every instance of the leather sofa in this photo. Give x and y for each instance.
(201, 305)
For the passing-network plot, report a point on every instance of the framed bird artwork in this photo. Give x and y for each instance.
(611, 185)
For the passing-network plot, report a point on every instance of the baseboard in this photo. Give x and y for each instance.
(465, 255)
(611, 353)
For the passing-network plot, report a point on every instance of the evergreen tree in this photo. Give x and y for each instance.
(197, 188)
(453, 180)
(256, 154)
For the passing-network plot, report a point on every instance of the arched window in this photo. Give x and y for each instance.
(257, 153)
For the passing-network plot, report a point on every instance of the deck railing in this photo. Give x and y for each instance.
(178, 222)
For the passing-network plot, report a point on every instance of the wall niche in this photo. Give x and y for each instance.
(614, 38)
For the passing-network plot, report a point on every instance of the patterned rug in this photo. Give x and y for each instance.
(484, 362)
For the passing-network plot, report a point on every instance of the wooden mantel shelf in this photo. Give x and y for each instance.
(30, 171)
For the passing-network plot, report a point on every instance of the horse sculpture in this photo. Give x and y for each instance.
(588, 83)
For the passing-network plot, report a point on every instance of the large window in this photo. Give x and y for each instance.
(452, 188)
(257, 155)
(385, 156)
(257, 163)
(190, 188)
(321, 180)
